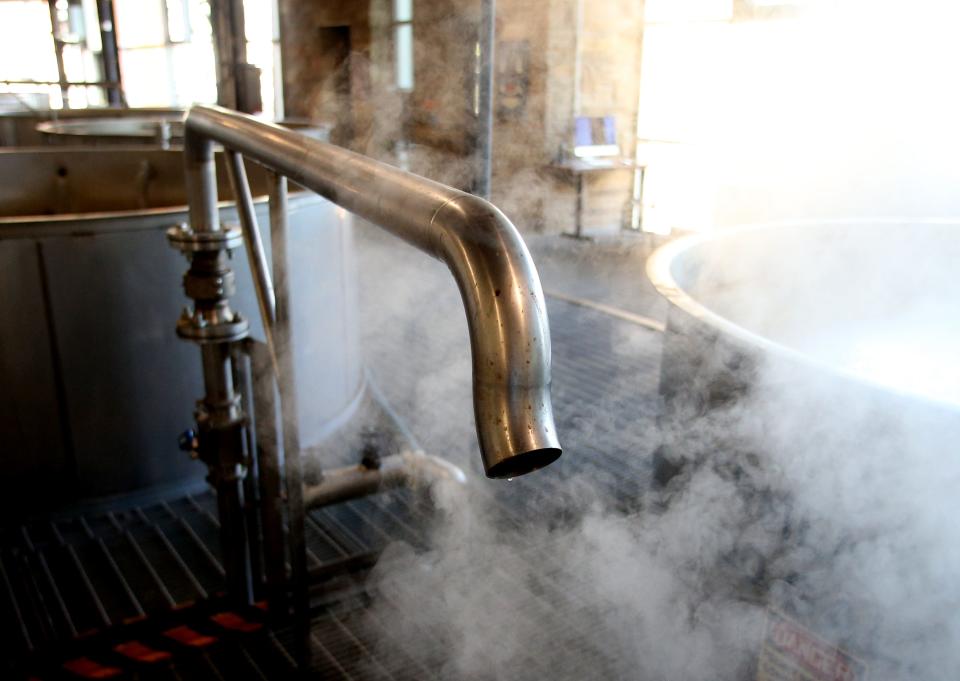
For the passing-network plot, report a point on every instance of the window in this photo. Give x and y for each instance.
(29, 73)
(26, 53)
(403, 43)
(263, 50)
(166, 52)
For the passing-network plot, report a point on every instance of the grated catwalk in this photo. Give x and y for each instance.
(70, 585)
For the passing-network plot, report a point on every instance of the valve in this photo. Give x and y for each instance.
(189, 442)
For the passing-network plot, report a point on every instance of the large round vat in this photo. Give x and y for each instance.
(96, 384)
(811, 385)
(872, 304)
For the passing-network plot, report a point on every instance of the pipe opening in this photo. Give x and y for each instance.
(521, 464)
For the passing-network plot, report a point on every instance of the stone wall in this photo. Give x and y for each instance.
(317, 83)
(535, 93)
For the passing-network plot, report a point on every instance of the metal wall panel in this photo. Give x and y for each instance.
(129, 383)
(324, 326)
(32, 449)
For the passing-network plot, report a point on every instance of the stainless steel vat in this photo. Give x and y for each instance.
(96, 385)
(811, 380)
(832, 299)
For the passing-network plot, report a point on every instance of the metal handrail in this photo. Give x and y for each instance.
(499, 284)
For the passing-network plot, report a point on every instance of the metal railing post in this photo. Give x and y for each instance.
(286, 383)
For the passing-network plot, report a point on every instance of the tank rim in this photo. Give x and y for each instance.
(659, 270)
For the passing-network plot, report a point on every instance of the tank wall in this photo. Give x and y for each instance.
(34, 449)
(97, 386)
(854, 314)
(826, 289)
(49, 182)
(324, 323)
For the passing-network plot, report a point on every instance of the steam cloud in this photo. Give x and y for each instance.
(799, 495)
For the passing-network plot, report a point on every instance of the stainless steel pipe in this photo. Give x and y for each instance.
(499, 284)
(408, 469)
(252, 241)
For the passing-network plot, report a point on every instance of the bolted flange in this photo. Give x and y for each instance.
(209, 282)
(211, 327)
(187, 241)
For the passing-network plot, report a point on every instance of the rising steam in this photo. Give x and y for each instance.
(796, 495)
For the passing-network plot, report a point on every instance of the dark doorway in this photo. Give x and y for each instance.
(333, 102)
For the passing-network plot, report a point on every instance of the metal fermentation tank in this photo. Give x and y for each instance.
(96, 384)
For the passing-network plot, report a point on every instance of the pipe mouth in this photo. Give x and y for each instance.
(523, 463)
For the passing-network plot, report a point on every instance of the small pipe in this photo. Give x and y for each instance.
(408, 469)
(577, 59)
(109, 54)
(162, 137)
(351, 564)
(58, 52)
(242, 378)
(484, 151)
(201, 177)
(269, 478)
(256, 257)
(639, 171)
(292, 470)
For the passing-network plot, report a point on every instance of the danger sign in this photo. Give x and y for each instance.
(793, 653)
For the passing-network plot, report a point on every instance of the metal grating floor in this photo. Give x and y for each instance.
(74, 587)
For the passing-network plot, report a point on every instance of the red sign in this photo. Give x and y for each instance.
(793, 653)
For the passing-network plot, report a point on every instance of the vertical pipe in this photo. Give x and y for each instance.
(217, 374)
(222, 425)
(577, 59)
(201, 182)
(163, 134)
(279, 56)
(257, 259)
(222, 26)
(639, 171)
(266, 302)
(270, 480)
(58, 49)
(289, 411)
(241, 378)
(230, 51)
(109, 54)
(225, 443)
(251, 235)
(578, 219)
(484, 151)
(636, 201)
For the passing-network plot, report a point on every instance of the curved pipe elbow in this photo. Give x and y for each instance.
(509, 335)
(499, 284)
